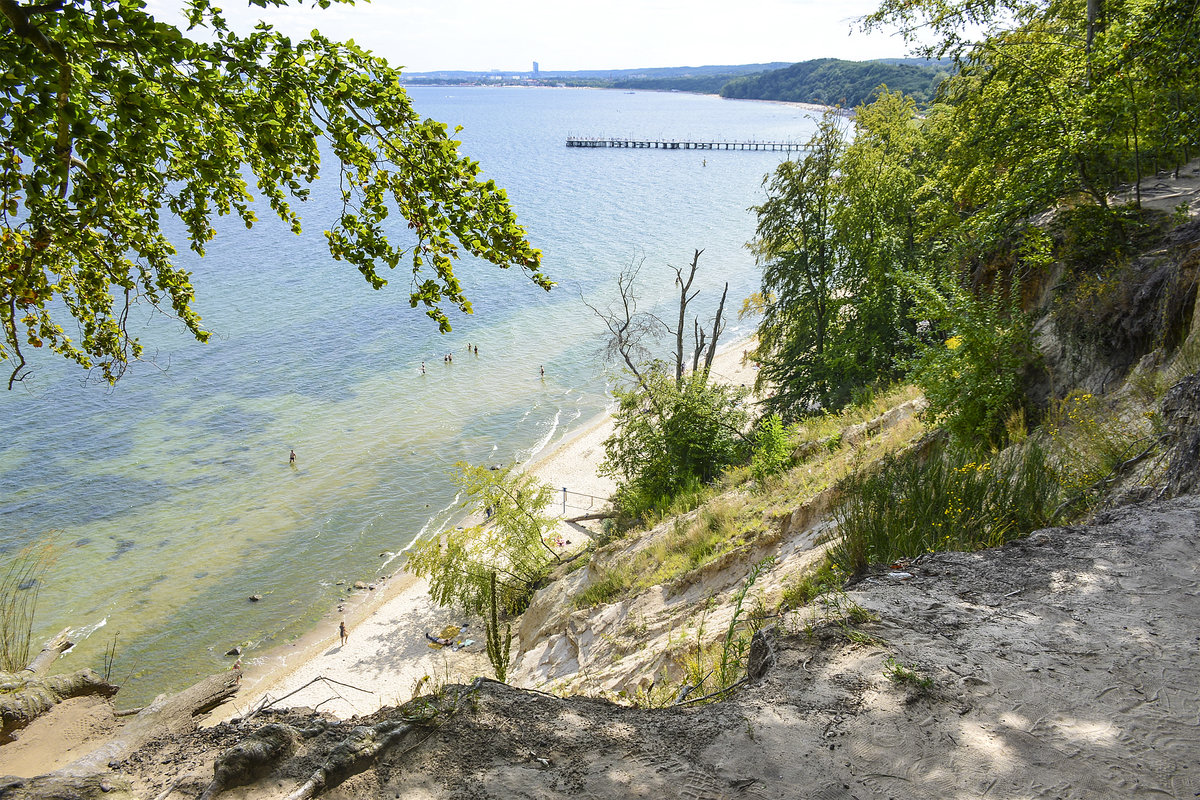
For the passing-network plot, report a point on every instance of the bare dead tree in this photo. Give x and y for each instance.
(717, 329)
(684, 300)
(629, 329)
(701, 336)
(631, 332)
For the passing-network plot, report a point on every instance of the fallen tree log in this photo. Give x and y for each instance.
(50, 652)
(168, 714)
(595, 515)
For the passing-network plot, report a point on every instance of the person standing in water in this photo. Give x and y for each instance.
(292, 458)
(543, 369)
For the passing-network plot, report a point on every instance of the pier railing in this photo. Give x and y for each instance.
(682, 144)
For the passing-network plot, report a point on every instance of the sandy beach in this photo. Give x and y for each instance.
(386, 654)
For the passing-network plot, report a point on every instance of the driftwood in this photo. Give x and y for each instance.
(265, 704)
(168, 714)
(50, 652)
(25, 695)
(596, 515)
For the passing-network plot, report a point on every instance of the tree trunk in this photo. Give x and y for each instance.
(1093, 19)
(683, 304)
(717, 329)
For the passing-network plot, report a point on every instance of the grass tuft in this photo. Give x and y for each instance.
(906, 676)
(19, 588)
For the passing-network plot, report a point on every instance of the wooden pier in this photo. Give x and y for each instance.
(674, 144)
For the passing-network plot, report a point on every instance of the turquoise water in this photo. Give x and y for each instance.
(170, 495)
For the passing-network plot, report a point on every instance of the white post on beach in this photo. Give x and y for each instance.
(564, 501)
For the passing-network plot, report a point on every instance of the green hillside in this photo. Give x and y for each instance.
(832, 81)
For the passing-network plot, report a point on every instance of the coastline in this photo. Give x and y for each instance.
(386, 653)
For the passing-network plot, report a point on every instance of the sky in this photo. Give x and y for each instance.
(509, 35)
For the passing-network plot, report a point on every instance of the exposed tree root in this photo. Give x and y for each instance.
(361, 748)
(358, 752)
(249, 759)
(24, 696)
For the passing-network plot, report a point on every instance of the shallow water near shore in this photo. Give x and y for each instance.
(171, 494)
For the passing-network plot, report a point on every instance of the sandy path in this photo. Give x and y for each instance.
(387, 653)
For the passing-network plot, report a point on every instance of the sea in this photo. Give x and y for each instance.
(169, 498)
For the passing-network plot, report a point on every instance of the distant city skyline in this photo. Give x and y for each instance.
(479, 35)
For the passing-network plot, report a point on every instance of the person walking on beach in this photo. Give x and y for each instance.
(292, 458)
(342, 632)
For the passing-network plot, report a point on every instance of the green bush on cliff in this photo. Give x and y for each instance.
(671, 436)
(772, 453)
(971, 364)
(949, 500)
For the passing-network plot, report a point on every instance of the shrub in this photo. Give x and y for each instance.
(671, 438)
(950, 500)
(771, 454)
(1091, 442)
(972, 370)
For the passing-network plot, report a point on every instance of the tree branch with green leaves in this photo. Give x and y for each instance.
(113, 119)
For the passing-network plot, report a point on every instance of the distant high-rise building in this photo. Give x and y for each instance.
(535, 68)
